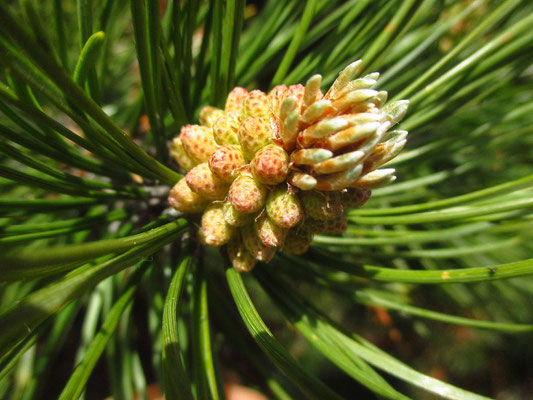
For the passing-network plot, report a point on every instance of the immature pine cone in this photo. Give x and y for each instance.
(271, 170)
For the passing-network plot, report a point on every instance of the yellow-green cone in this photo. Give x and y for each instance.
(179, 154)
(202, 181)
(271, 234)
(182, 198)
(283, 207)
(214, 230)
(234, 217)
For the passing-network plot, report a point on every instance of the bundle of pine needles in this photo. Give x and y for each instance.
(106, 290)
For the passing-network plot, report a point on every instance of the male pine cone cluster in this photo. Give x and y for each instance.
(271, 170)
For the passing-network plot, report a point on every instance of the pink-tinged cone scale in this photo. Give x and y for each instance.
(271, 165)
(246, 194)
(202, 181)
(183, 199)
(284, 207)
(226, 161)
(198, 142)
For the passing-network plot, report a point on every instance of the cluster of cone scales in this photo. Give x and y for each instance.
(271, 170)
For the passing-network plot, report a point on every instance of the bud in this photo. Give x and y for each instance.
(198, 142)
(376, 179)
(202, 181)
(339, 180)
(310, 156)
(396, 110)
(345, 76)
(246, 194)
(214, 230)
(320, 130)
(226, 161)
(317, 111)
(349, 136)
(284, 207)
(270, 165)
(362, 83)
(356, 101)
(288, 129)
(302, 180)
(312, 91)
(339, 163)
(385, 151)
(183, 199)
